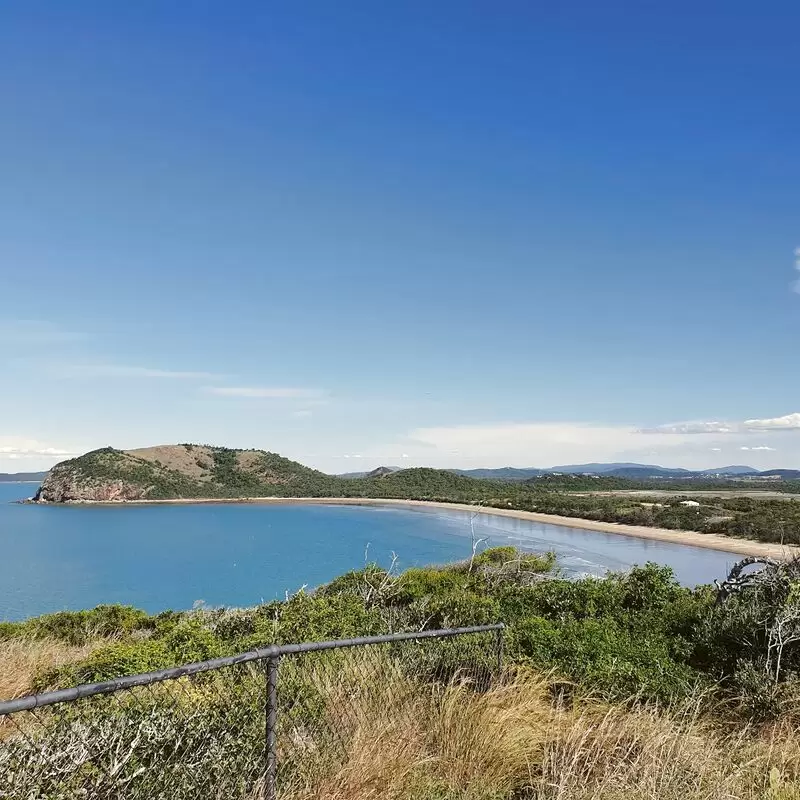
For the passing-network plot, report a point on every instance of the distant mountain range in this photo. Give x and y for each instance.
(633, 471)
(16, 477)
(619, 469)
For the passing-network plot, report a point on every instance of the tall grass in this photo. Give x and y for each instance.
(23, 659)
(363, 726)
(515, 742)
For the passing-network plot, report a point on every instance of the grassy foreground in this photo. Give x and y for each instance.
(515, 742)
(622, 688)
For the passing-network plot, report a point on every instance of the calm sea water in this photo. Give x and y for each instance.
(158, 557)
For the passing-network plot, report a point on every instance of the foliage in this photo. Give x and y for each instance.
(635, 637)
(638, 633)
(377, 730)
(80, 627)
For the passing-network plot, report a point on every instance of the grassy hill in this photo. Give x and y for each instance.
(189, 471)
(181, 471)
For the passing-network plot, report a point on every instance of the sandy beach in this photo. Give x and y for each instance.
(711, 541)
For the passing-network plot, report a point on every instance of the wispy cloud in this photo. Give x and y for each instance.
(302, 412)
(11, 452)
(127, 371)
(788, 422)
(267, 392)
(35, 332)
(760, 447)
(692, 427)
(16, 447)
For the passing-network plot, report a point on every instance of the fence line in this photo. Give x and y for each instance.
(95, 735)
(274, 651)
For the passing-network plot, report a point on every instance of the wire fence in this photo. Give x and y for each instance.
(250, 726)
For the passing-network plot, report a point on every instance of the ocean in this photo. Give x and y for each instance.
(158, 557)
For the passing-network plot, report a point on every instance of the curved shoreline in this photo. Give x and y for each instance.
(710, 541)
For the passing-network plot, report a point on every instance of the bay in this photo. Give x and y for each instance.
(158, 557)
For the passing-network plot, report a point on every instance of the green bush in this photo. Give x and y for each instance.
(638, 633)
(313, 618)
(79, 627)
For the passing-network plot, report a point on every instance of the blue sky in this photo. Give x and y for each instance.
(452, 233)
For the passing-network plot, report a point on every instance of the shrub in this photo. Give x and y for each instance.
(79, 627)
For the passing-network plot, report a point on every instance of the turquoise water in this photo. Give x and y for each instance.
(158, 557)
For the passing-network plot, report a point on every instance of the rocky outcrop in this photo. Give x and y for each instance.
(103, 476)
(64, 486)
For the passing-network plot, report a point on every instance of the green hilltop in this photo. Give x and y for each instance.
(189, 471)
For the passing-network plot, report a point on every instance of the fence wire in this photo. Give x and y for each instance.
(276, 720)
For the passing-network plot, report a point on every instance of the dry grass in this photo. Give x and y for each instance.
(363, 729)
(195, 463)
(512, 742)
(22, 659)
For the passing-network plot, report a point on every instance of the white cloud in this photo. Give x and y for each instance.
(540, 444)
(27, 451)
(125, 371)
(789, 422)
(762, 447)
(270, 392)
(35, 332)
(533, 444)
(785, 423)
(15, 448)
(301, 413)
(692, 428)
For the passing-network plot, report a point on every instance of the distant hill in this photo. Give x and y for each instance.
(17, 477)
(503, 473)
(381, 472)
(180, 471)
(595, 468)
(375, 473)
(784, 474)
(645, 473)
(628, 470)
(733, 470)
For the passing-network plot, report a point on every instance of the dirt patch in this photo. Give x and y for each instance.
(250, 461)
(195, 463)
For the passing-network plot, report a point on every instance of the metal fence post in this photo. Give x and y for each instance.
(271, 766)
(499, 645)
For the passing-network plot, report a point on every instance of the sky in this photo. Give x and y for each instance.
(456, 234)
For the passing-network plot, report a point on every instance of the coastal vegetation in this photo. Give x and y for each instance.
(201, 471)
(626, 687)
(635, 633)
